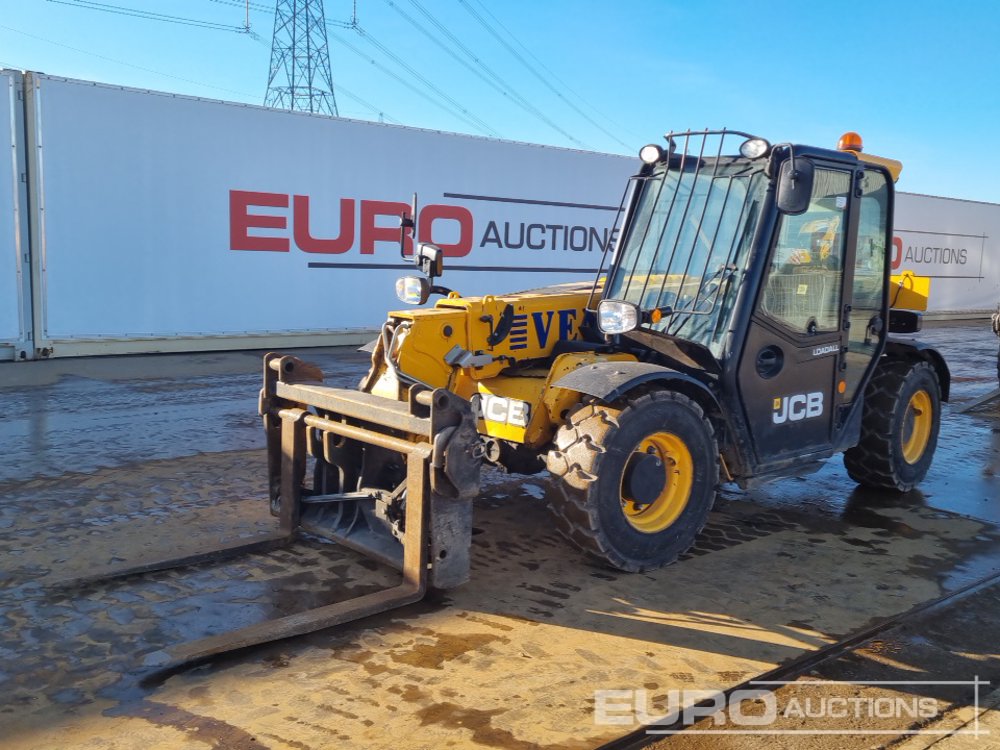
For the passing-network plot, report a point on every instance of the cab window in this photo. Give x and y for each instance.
(803, 286)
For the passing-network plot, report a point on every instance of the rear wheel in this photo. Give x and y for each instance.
(899, 428)
(637, 479)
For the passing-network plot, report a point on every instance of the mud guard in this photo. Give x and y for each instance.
(914, 349)
(610, 381)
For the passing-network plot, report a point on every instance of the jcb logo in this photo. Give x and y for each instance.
(499, 409)
(798, 407)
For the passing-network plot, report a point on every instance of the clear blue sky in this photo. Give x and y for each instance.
(919, 80)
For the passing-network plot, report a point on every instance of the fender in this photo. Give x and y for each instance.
(913, 349)
(609, 381)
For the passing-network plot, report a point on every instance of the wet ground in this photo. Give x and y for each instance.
(108, 460)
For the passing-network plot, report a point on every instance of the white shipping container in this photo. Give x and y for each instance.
(169, 217)
(15, 310)
(955, 243)
(165, 222)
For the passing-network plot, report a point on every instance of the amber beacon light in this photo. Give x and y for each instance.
(850, 141)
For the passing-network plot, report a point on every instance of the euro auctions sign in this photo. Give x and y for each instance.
(361, 233)
(276, 222)
(170, 216)
(955, 243)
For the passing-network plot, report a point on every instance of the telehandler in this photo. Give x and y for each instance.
(745, 329)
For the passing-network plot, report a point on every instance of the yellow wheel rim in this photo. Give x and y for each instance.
(678, 471)
(917, 422)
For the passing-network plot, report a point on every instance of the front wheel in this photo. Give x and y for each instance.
(636, 478)
(899, 426)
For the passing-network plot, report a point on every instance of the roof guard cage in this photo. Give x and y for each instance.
(691, 154)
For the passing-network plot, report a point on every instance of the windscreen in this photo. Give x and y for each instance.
(687, 247)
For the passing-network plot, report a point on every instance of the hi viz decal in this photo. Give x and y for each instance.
(545, 325)
(798, 407)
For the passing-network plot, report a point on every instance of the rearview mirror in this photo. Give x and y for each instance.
(795, 186)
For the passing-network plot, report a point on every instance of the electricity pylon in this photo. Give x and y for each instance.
(300, 76)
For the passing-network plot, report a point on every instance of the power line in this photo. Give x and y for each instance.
(401, 80)
(486, 25)
(489, 76)
(379, 111)
(127, 64)
(218, 27)
(257, 7)
(458, 111)
(558, 80)
(149, 15)
(462, 113)
(355, 97)
(482, 124)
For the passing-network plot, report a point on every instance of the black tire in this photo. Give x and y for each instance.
(593, 450)
(879, 459)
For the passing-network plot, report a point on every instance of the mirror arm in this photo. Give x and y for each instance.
(407, 222)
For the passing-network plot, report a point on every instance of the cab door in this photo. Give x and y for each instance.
(793, 354)
(866, 280)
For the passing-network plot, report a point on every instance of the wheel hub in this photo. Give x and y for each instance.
(918, 420)
(644, 478)
(656, 482)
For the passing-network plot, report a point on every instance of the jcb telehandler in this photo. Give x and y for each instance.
(743, 330)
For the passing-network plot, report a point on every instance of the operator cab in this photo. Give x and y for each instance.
(766, 267)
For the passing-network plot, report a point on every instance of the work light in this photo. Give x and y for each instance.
(413, 290)
(616, 316)
(754, 148)
(650, 154)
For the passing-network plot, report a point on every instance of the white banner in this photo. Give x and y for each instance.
(11, 324)
(169, 216)
(955, 242)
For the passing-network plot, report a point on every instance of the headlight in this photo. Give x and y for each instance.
(615, 316)
(754, 148)
(413, 290)
(650, 154)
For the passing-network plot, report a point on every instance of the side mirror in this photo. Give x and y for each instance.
(429, 259)
(795, 186)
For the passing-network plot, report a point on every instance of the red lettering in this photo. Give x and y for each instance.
(309, 244)
(897, 253)
(455, 213)
(241, 221)
(371, 233)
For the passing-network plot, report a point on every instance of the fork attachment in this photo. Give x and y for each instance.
(361, 448)
(391, 480)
